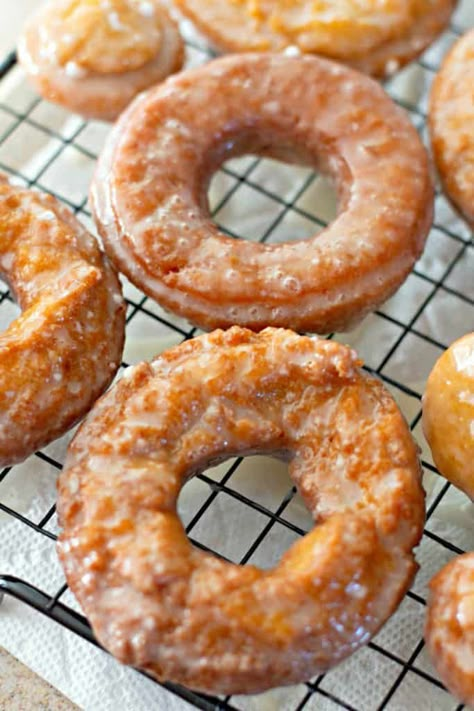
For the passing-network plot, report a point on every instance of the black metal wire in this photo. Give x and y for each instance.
(51, 605)
(56, 611)
(7, 64)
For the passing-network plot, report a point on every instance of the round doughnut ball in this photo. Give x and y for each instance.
(449, 631)
(93, 56)
(448, 414)
(62, 352)
(375, 37)
(157, 602)
(150, 205)
(451, 120)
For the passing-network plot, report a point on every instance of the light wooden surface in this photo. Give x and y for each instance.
(22, 690)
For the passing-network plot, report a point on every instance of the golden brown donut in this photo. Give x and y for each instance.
(449, 628)
(94, 56)
(182, 614)
(375, 37)
(149, 195)
(451, 120)
(62, 352)
(448, 414)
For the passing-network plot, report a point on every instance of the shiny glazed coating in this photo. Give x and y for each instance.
(448, 414)
(451, 119)
(449, 629)
(375, 36)
(94, 56)
(149, 195)
(182, 614)
(62, 352)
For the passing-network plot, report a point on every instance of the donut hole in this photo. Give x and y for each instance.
(9, 311)
(237, 519)
(268, 200)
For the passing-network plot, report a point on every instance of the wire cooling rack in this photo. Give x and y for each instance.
(238, 512)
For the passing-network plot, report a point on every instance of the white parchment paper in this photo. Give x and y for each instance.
(401, 340)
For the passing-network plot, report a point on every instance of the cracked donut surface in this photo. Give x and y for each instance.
(451, 120)
(149, 194)
(448, 423)
(94, 56)
(376, 37)
(449, 628)
(63, 350)
(182, 614)
(448, 413)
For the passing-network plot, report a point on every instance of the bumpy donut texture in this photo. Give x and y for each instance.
(451, 119)
(448, 414)
(62, 352)
(149, 194)
(94, 56)
(449, 629)
(156, 602)
(375, 37)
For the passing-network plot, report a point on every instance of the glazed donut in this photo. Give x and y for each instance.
(94, 56)
(150, 205)
(448, 414)
(449, 631)
(376, 40)
(157, 602)
(62, 352)
(451, 121)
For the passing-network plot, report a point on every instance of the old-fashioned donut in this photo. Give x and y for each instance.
(448, 413)
(377, 38)
(449, 631)
(451, 121)
(182, 614)
(149, 195)
(62, 352)
(448, 422)
(94, 56)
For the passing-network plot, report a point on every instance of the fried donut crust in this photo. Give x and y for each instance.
(449, 631)
(158, 603)
(448, 414)
(149, 194)
(62, 352)
(376, 40)
(451, 121)
(93, 57)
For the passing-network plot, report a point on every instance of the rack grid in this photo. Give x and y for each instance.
(44, 147)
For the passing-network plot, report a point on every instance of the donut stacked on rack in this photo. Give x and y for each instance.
(375, 38)
(448, 420)
(451, 120)
(210, 624)
(94, 56)
(64, 349)
(448, 412)
(149, 193)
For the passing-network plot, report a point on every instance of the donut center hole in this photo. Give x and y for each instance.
(267, 200)
(245, 510)
(9, 310)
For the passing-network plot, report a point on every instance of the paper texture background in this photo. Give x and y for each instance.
(399, 341)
